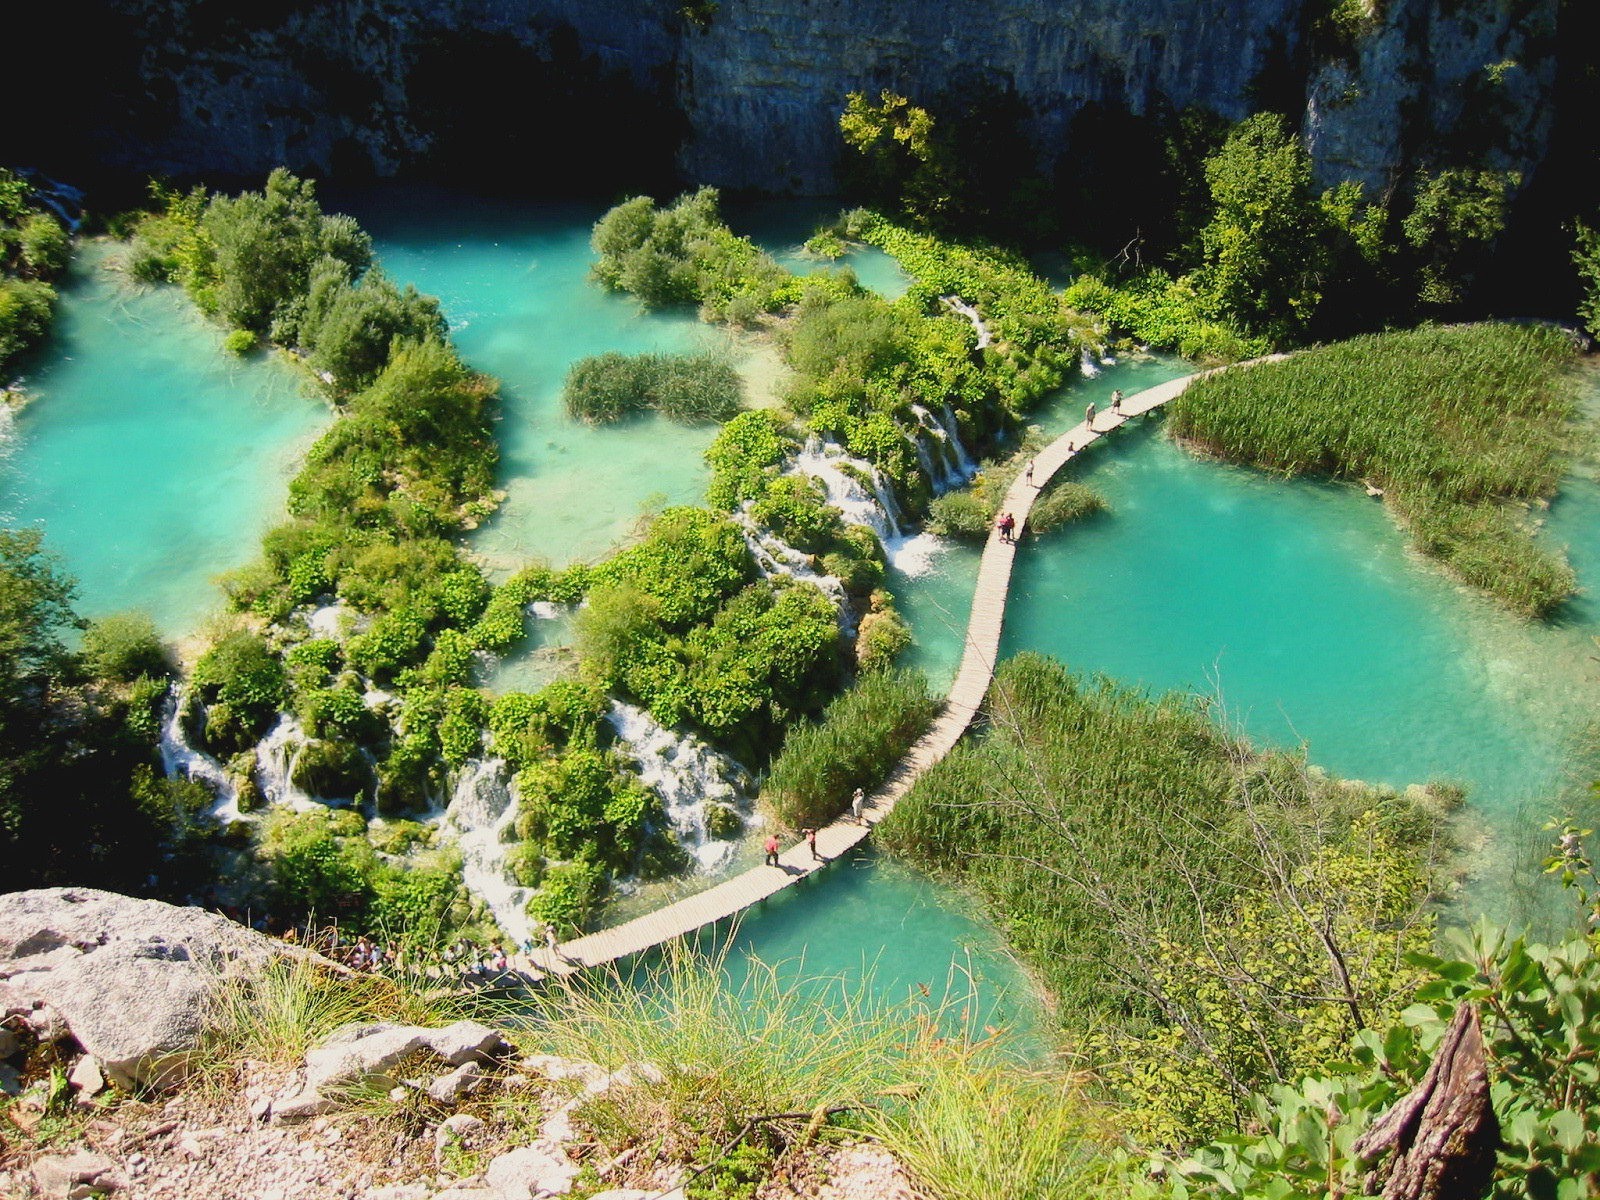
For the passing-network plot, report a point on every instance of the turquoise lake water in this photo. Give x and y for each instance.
(1296, 607)
(152, 459)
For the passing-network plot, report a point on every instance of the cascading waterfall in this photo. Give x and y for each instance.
(275, 755)
(482, 805)
(178, 757)
(1087, 364)
(774, 556)
(939, 449)
(841, 476)
(686, 773)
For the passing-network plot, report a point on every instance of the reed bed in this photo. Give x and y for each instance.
(1462, 427)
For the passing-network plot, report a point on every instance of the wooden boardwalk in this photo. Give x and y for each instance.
(961, 704)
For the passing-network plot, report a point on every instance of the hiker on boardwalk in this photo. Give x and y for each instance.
(1116, 403)
(811, 840)
(1006, 524)
(858, 802)
(1088, 416)
(1027, 473)
(772, 849)
(551, 943)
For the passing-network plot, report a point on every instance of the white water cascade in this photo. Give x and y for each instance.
(686, 773)
(275, 755)
(482, 805)
(841, 476)
(939, 449)
(178, 757)
(1087, 364)
(774, 556)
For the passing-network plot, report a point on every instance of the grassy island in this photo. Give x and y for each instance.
(1463, 428)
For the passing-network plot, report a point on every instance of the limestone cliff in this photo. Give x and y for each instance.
(751, 95)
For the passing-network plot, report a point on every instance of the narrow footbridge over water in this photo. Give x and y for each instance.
(960, 705)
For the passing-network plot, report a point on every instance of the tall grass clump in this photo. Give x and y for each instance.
(986, 1130)
(861, 735)
(1460, 426)
(970, 512)
(278, 1013)
(1176, 891)
(685, 387)
(725, 1055)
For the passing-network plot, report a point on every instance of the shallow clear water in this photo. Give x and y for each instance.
(1296, 606)
(870, 922)
(152, 459)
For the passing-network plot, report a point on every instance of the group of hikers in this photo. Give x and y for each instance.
(1005, 523)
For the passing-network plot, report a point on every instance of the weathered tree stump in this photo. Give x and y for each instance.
(1441, 1138)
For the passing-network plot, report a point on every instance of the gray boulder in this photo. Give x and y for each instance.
(366, 1056)
(59, 1176)
(129, 979)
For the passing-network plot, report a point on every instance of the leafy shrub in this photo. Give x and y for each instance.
(44, 244)
(567, 895)
(125, 646)
(26, 307)
(239, 342)
(242, 682)
(745, 456)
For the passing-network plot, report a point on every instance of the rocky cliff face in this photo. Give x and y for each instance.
(752, 98)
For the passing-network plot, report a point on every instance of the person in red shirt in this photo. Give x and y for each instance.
(772, 849)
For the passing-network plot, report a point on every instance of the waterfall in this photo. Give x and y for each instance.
(954, 465)
(827, 462)
(275, 755)
(482, 806)
(1087, 365)
(841, 475)
(178, 757)
(686, 773)
(958, 305)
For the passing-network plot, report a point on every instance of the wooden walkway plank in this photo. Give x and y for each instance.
(966, 694)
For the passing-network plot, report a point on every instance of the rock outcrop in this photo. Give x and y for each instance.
(754, 91)
(128, 979)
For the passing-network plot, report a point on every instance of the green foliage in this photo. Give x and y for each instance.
(796, 508)
(745, 456)
(26, 309)
(240, 342)
(567, 895)
(241, 682)
(689, 562)
(265, 244)
(1456, 424)
(123, 647)
(44, 245)
(1263, 250)
(348, 328)
(1540, 1012)
(860, 737)
(882, 637)
(1168, 313)
(315, 867)
(1586, 258)
(1121, 917)
(1455, 217)
(1062, 503)
(686, 255)
(685, 387)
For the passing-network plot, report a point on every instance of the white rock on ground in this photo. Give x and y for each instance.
(59, 1176)
(129, 979)
(530, 1172)
(365, 1055)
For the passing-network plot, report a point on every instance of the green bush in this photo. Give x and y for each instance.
(239, 342)
(745, 456)
(26, 308)
(860, 737)
(241, 681)
(125, 646)
(45, 245)
(1064, 502)
(567, 895)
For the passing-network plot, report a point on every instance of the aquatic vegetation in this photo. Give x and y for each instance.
(685, 387)
(34, 248)
(1459, 426)
(859, 738)
(1234, 860)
